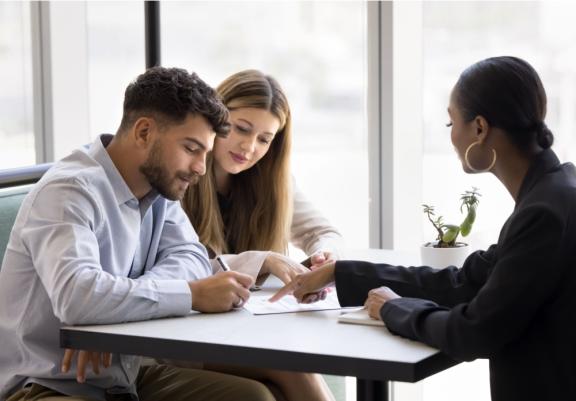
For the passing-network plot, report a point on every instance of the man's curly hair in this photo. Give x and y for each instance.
(169, 95)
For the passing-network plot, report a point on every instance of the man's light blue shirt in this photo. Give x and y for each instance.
(84, 250)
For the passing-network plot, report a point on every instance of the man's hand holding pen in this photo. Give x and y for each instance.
(221, 292)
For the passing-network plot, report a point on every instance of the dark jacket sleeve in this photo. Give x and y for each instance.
(526, 274)
(448, 287)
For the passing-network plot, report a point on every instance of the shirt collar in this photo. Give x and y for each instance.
(545, 162)
(98, 152)
(148, 201)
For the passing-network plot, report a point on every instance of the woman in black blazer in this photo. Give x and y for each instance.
(514, 303)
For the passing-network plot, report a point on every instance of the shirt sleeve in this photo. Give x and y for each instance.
(180, 253)
(449, 286)
(249, 262)
(312, 232)
(526, 274)
(59, 234)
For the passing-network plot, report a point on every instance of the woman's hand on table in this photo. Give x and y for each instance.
(376, 299)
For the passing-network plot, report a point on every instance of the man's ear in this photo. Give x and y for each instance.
(482, 128)
(143, 132)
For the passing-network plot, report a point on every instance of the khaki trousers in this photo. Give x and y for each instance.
(168, 383)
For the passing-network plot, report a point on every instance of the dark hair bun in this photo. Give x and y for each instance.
(544, 136)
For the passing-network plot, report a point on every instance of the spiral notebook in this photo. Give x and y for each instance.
(359, 316)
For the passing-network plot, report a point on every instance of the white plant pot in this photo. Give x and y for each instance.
(443, 257)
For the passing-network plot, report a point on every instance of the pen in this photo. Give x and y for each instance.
(226, 268)
(223, 264)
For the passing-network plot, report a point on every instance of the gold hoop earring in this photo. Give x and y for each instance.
(468, 162)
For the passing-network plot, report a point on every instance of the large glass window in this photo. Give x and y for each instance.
(115, 57)
(455, 35)
(16, 108)
(317, 51)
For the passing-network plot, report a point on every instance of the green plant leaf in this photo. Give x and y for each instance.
(450, 233)
(466, 225)
(447, 234)
(465, 228)
(471, 217)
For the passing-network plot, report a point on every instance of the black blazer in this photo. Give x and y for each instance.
(514, 303)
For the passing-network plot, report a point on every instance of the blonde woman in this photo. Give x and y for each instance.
(246, 208)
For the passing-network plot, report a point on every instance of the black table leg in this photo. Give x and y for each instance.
(372, 390)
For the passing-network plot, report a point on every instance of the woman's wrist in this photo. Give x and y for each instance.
(268, 260)
(328, 273)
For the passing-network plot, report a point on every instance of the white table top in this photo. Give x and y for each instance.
(304, 341)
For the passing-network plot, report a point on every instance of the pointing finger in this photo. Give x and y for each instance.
(287, 289)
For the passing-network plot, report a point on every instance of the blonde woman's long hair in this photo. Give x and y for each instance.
(261, 197)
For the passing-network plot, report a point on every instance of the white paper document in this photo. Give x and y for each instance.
(258, 304)
(359, 316)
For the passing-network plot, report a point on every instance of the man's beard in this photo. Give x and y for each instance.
(159, 177)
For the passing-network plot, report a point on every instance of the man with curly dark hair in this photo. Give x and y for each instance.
(102, 239)
(170, 98)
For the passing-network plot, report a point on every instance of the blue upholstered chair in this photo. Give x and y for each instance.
(14, 185)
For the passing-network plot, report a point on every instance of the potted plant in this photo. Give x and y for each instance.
(447, 250)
